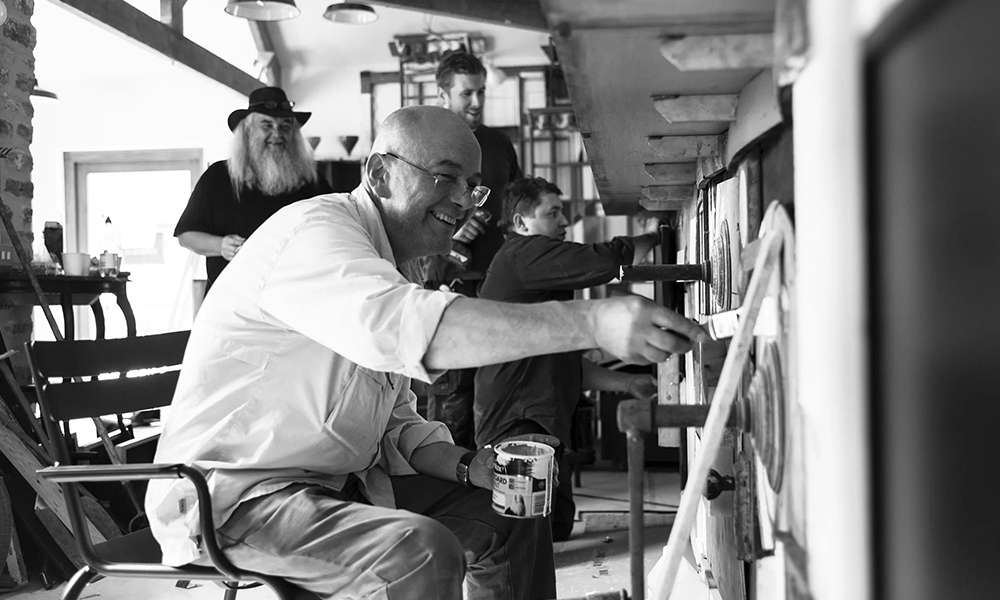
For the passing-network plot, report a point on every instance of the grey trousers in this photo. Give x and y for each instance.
(337, 547)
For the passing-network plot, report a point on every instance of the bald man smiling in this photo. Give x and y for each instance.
(294, 394)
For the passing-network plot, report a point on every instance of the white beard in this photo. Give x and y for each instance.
(278, 169)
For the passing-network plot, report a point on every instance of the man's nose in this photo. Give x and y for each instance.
(477, 101)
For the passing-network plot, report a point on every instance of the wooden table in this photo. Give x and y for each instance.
(69, 291)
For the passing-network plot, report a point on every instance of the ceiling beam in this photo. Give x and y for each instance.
(666, 197)
(673, 173)
(524, 14)
(123, 18)
(758, 113)
(685, 109)
(714, 52)
(685, 147)
(267, 57)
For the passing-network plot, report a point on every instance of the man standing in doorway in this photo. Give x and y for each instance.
(270, 166)
(461, 81)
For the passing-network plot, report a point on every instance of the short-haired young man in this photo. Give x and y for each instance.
(461, 82)
(539, 394)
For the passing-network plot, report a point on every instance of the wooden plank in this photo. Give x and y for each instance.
(16, 569)
(60, 532)
(524, 14)
(685, 109)
(123, 18)
(672, 173)
(757, 113)
(715, 52)
(668, 381)
(684, 147)
(27, 465)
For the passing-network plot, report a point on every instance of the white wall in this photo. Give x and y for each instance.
(113, 95)
(829, 218)
(324, 60)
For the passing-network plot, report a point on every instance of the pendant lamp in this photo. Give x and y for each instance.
(355, 13)
(263, 10)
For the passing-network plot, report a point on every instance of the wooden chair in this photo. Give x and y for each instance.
(81, 395)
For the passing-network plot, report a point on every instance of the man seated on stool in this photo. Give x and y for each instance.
(539, 394)
(294, 394)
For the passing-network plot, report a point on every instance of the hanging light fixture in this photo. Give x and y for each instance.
(3, 12)
(263, 10)
(355, 13)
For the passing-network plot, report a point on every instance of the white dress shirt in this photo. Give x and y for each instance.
(298, 369)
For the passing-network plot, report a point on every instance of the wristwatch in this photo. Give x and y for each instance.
(462, 469)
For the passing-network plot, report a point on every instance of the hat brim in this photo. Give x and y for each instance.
(238, 115)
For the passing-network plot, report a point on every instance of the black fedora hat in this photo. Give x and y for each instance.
(269, 101)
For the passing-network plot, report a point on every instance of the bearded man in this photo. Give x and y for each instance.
(270, 166)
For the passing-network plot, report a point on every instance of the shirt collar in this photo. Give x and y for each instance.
(368, 208)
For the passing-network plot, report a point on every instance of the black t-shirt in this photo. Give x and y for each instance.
(213, 208)
(500, 167)
(545, 389)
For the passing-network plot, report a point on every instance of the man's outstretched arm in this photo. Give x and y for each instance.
(475, 332)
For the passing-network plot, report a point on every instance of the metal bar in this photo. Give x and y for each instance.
(696, 272)
(648, 416)
(636, 515)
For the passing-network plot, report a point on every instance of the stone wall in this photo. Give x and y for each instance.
(17, 76)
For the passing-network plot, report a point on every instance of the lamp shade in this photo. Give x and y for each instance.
(351, 12)
(263, 10)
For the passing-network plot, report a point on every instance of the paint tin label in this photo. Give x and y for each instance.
(523, 479)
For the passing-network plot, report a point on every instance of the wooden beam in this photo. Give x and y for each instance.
(669, 193)
(265, 52)
(172, 14)
(523, 14)
(672, 173)
(684, 109)
(123, 18)
(684, 147)
(714, 52)
(758, 113)
(708, 168)
(673, 193)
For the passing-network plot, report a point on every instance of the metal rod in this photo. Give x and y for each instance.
(648, 416)
(697, 272)
(636, 515)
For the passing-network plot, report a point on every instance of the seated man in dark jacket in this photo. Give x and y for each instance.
(539, 394)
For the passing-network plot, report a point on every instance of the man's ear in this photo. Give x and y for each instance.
(518, 221)
(444, 98)
(377, 175)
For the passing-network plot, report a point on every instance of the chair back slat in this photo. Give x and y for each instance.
(92, 357)
(79, 400)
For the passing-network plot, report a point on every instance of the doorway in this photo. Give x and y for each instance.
(143, 194)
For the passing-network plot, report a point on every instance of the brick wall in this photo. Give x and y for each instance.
(17, 75)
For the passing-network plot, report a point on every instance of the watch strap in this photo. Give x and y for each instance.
(462, 468)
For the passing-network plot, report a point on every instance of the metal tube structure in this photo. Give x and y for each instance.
(635, 441)
(698, 272)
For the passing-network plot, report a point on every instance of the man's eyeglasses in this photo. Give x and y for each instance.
(271, 105)
(450, 185)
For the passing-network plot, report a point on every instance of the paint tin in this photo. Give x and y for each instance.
(523, 479)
